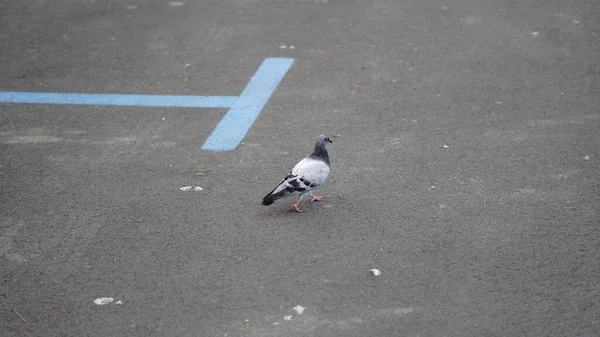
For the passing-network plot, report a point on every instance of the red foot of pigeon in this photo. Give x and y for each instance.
(316, 197)
(296, 207)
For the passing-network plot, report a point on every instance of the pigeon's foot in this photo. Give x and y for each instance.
(296, 206)
(314, 198)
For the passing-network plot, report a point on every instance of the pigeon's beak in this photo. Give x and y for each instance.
(329, 140)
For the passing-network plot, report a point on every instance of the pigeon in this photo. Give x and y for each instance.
(307, 175)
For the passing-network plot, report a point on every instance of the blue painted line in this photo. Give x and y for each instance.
(183, 101)
(231, 130)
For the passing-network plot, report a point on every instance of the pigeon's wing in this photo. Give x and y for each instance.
(311, 172)
(290, 185)
(305, 176)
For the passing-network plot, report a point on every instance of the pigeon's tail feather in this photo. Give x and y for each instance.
(268, 200)
(271, 197)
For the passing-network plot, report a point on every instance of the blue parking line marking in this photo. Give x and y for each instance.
(232, 128)
(183, 101)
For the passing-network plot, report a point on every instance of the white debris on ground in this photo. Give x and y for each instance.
(103, 300)
(191, 188)
(287, 318)
(299, 309)
(375, 272)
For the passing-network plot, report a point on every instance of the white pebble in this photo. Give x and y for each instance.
(375, 272)
(190, 188)
(446, 146)
(586, 157)
(103, 300)
(287, 318)
(299, 309)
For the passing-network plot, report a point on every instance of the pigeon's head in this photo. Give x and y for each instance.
(323, 140)
(320, 151)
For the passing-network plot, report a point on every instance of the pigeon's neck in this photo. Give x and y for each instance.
(321, 154)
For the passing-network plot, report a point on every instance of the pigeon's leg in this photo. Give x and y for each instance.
(296, 205)
(314, 198)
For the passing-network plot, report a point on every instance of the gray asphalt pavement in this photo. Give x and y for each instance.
(465, 167)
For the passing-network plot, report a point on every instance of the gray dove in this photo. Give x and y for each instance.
(307, 175)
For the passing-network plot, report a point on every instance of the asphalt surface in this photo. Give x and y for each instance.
(465, 167)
